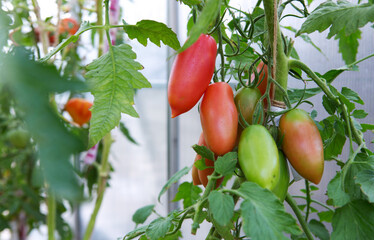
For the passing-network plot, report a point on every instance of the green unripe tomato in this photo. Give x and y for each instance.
(284, 178)
(258, 156)
(19, 138)
(245, 101)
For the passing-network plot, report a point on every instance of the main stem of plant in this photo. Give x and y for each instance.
(51, 217)
(103, 171)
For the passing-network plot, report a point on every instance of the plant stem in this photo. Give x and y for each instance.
(104, 168)
(43, 33)
(99, 12)
(307, 200)
(299, 216)
(315, 201)
(200, 203)
(51, 217)
(281, 60)
(220, 49)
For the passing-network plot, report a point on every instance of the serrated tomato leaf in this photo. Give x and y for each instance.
(355, 220)
(158, 228)
(264, 216)
(222, 207)
(187, 192)
(141, 215)
(173, 180)
(154, 31)
(365, 179)
(226, 164)
(113, 79)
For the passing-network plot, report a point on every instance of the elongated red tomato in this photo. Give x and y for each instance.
(219, 118)
(201, 176)
(191, 74)
(302, 144)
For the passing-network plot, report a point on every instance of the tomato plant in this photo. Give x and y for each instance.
(191, 74)
(246, 100)
(302, 144)
(219, 118)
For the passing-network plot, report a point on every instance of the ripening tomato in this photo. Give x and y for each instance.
(19, 137)
(258, 156)
(68, 25)
(284, 178)
(302, 144)
(191, 74)
(79, 110)
(202, 175)
(262, 70)
(219, 118)
(245, 101)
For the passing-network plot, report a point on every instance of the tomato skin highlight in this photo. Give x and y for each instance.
(302, 144)
(219, 118)
(280, 190)
(246, 100)
(191, 74)
(202, 175)
(258, 156)
(79, 110)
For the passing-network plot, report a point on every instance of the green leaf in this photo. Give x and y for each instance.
(154, 31)
(336, 193)
(126, 133)
(295, 93)
(348, 45)
(158, 228)
(226, 164)
(5, 22)
(264, 216)
(333, 136)
(222, 207)
(173, 180)
(359, 114)
(337, 16)
(203, 151)
(352, 95)
(329, 105)
(366, 127)
(189, 193)
(318, 229)
(208, 16)
(138, 231)
(305, 37)
(200, 164)
(141, 215)
(365, 178)
(355, 220)
(190, 3)
(113, 78)
(325, 216)
(32, 83)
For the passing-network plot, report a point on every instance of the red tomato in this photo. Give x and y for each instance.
(68, 25)
(79, 110)
(302, 144)
(262, 70)
(51, 36)
(219, 118)
(191, 74)
(203, 174)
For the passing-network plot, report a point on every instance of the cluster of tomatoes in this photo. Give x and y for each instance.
(222, 118)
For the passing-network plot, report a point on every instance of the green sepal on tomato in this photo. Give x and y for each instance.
(201, 176)
(258, 156)
(302, 144)
(219, 118)
(191, 74)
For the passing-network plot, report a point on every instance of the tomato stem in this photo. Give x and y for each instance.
(317, 202)
(299, 216)
(307, 200)
(51, 217)
(104, 169)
